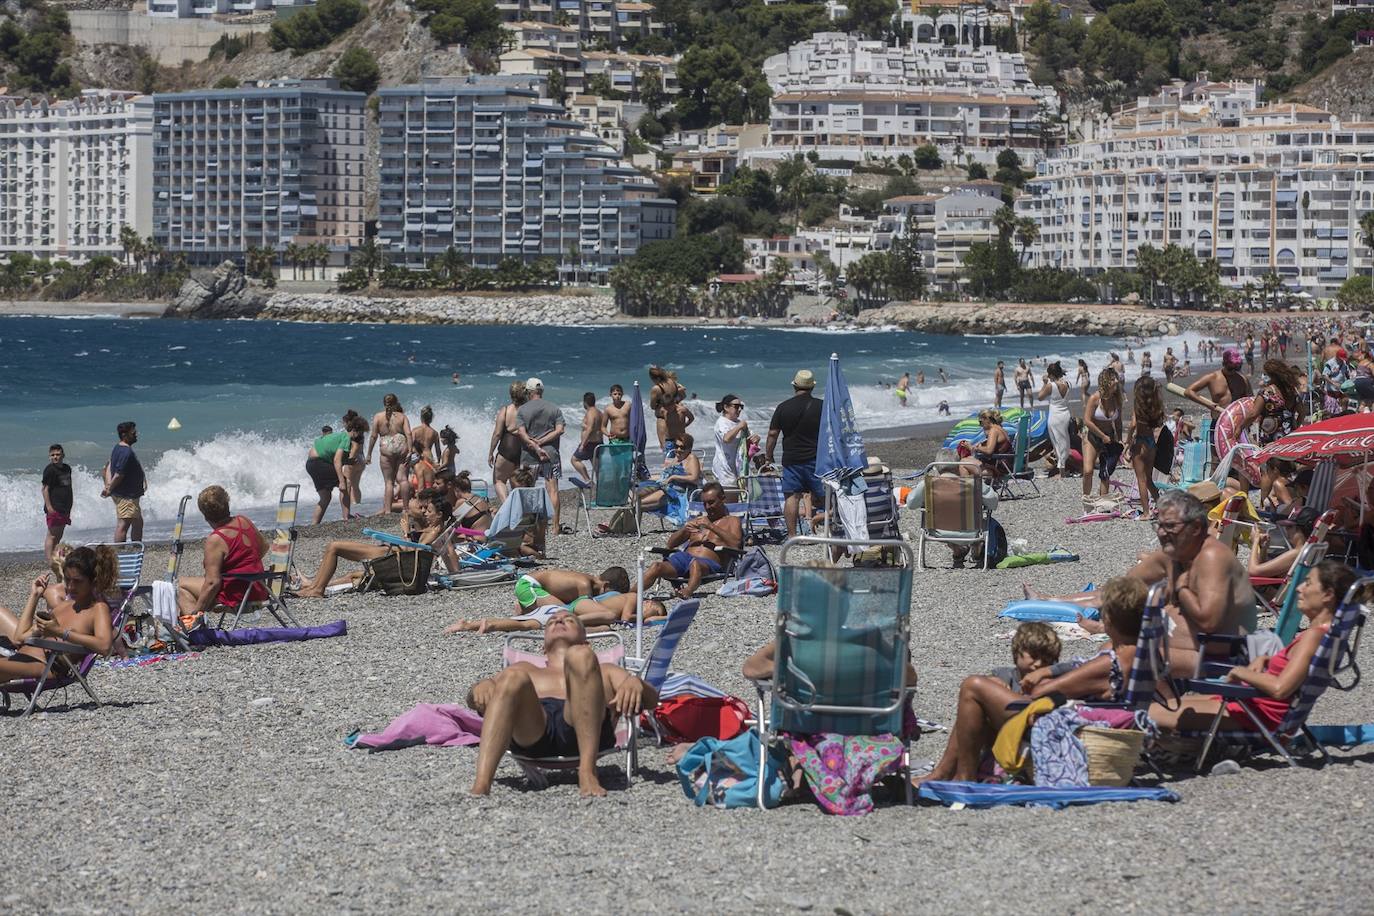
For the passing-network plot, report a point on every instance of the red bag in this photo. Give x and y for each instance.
(688, 718)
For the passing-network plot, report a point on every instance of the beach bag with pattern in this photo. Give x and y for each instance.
(725, 774)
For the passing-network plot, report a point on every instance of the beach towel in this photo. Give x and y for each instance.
(1055, 555)
(438, 725)
(1059, 756)
(754, 586)
(841, 769)
(164, 605)
(988, 795)
(143, 661)
(1343, 735)
(521, 502)
(208, 636)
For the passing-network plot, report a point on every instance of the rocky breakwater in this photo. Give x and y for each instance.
(1007, 318)
(553, 309)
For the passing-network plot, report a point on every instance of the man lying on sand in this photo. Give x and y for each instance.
(567, 708)
(1209, 590)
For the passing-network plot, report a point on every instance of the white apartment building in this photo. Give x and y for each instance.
(849, 98)
(1282, 192)
(622, 71)
(1351, 6)
(602, 21)
(73, 173)
(205, 9)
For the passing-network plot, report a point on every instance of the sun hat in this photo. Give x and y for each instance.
(804, 379)
(534, 384)
(876, 466)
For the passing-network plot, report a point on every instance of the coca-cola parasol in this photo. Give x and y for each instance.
(1348, 439)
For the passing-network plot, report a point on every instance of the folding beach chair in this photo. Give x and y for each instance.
(627, 727)
(67, 664)
(144, 616)
(653, 669)
(1012, 473)
(1284, 603)
(842, 641)
(278, 573)
(1335, 655)
(1192, 469)
(524, 509)
(953, 512)
(1323, 485)
(612, 482)
(764, 520)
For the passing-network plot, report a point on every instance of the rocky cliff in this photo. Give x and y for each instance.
(220, 293)
(1006, 318)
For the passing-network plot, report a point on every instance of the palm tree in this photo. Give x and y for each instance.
(320, 257)
(1027, 232)
(1367, 233)
(130, 242)
(293, 255)
(1004, 221)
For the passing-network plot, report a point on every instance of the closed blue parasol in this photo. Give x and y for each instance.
(840, 454)
(637, 437)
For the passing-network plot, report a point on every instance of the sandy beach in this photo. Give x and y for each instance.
(221, 783)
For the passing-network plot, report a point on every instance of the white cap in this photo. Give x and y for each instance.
(533, 384)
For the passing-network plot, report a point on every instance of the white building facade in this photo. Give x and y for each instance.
(73, 173)
(1281, 193)
(206, 9)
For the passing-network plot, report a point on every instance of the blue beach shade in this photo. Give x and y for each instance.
(840, 451)
(637, 437)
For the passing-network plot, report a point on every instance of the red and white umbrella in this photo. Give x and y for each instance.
(1348, 439)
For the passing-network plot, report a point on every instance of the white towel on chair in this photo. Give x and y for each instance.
(165, 604)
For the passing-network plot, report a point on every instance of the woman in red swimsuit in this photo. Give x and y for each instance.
(1277, 678)
(234, 546)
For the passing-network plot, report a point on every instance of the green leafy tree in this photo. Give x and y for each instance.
(649, 88)
(357, 70)
(905, 270)
(1356, 293)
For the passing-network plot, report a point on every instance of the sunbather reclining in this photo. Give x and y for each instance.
(1296, 530)
(1209, 590)
(599, 611)
(540, 593)
(81, 617)
(697, 545)
(681, 474)
(234, 545)
(567, 708)
(983, 700)
(438, 516)
(1277, 677)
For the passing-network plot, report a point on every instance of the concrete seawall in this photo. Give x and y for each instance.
(168, 41)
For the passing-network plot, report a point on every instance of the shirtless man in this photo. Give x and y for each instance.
(696, 545)
(615, 419)
(566, 708)
(1024, 380)
(999, 384)
(676, 419)
(1223, 385)
(592, 423)
(1209, 590)
(593, 610)
(556, 588)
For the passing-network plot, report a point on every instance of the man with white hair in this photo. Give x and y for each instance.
(540, 426)
(566, 708)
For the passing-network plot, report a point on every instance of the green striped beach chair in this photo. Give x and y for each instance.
(842, 640)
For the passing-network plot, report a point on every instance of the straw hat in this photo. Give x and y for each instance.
(804, 379)
(876, 466)
(1206, 491)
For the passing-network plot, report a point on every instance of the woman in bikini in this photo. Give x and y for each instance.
(353, 462)
(503, 455)
(472, 512)
(448, 457)
(1102, 425)
(663, 396)
(421, 468)
(1146, 421)
(234, 545)
(426, 436)
(438, 515)
(80, 617)
(391, 431)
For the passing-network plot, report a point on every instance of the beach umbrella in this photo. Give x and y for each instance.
(840, 454)
(1348, 439)
(637, 436)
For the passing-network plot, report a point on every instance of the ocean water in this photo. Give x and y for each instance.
(250, 396)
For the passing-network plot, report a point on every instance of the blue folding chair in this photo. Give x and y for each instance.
(1012, 472)
(763, 505)
(842, 643)
(612, 482)
(1335, 655)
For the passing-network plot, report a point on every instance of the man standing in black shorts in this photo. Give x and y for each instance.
(798, 419)
(567, 708)
(57, 498)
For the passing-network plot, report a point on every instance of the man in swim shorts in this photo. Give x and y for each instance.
(798, 421)
(592, 424)
(566, 708)
(57, 498)
(544, 591)
(616, 417)
(999, 384)
(697, 547)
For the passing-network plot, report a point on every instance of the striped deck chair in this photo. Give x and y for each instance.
(1192, 468)
(1284, 603)
(842, 640)
(653, 669)
(66, 665)
(129, 579)
(1335, 655)
(612, 482)
(275, 578)
(763, 500)
(627, 727)
(953, 512)
(1323, 485)
(1012, 473)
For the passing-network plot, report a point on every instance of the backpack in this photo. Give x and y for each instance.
(995, 545)
(686, 718)
(622, 522)
(754, 564)
(725, 774)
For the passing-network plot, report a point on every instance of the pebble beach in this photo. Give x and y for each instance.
(220, 783)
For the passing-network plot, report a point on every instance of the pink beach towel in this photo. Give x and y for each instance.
(446, 725)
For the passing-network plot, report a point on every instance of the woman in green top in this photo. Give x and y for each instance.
(325, 465)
